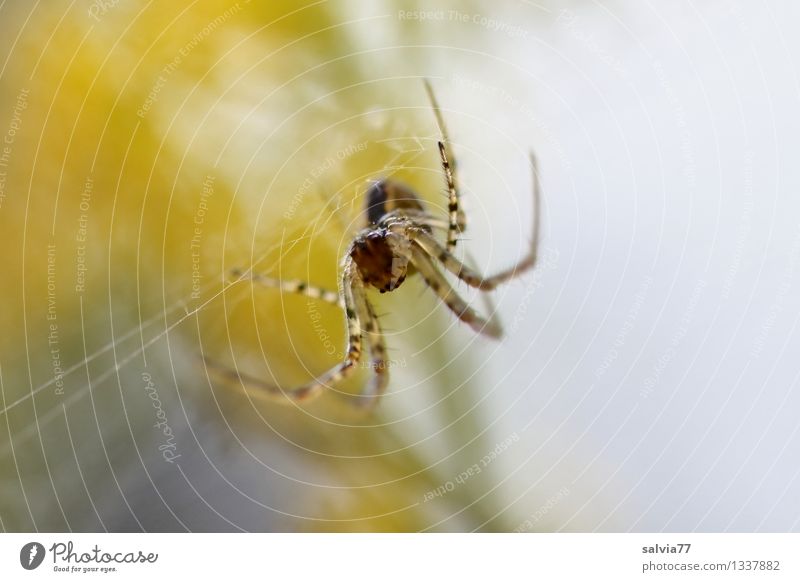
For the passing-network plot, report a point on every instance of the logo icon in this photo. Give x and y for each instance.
(31, 555)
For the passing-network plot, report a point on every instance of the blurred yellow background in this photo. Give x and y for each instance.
(156, 147)
(646, 380)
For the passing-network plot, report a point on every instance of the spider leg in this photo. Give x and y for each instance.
(437, 282)
(289, 286)
(377, 348)
(457, 219)
(436, 251)
(353, 292)
(456, 215)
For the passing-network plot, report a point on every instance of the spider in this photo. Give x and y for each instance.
(396, 243)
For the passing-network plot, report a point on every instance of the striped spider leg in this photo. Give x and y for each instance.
(361, 322)
(456, 216)
(437, 252)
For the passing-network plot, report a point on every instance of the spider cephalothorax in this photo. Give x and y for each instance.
(397, 242)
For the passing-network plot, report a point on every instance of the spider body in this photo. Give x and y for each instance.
(397, 242)
(382, 252)
(379, 248)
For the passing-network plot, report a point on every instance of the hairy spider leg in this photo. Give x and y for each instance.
(457, 218)
(436, 251)
(295, 286)
(377, 349)
(439, 285)
(372, 329)
(354, 298)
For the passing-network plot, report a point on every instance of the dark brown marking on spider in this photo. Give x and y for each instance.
(432, 284)
(376, 201)
(384, 196)
(377, 261)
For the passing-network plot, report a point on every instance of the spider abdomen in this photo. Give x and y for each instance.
(381, 256)
(385, 196)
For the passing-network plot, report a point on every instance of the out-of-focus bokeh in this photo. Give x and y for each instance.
(646, 380)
